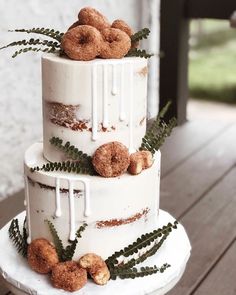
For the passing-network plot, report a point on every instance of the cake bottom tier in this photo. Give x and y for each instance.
(116, 210)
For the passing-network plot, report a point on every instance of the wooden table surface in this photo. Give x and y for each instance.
(198, 187)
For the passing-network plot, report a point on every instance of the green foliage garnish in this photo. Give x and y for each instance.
(142, 34)
(138, 53)
(133, 273)
(45, 45)
(67, 253)
(19, 239)
(157, 133)
(42, 31)
(141, 243)
(79, 162)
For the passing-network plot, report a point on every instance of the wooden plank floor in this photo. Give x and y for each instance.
(198, 187)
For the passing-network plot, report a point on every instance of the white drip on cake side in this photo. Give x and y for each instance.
(72, 217)
(114, 92)
(27, 204)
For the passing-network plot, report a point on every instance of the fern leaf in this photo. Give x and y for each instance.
(32, 41)
(27, 49)
(132, 273)
(19, 240)
(138, 53)
(69, 251)
(56, 240)
(141, 243)
(47, 32)
(142, 34)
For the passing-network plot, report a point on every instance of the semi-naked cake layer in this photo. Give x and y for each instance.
(94, 102)
(117, 210)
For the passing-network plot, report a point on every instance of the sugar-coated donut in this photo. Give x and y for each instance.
(116, 43)
(96, 267)
(111, 159)
(82, 43)
(68, 276)
(123, 26)
(92, 17)
(42, 256)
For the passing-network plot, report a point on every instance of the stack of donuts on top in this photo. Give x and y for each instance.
(93, 36)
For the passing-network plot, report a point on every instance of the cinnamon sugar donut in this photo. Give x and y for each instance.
(92, 17)
(82, 43)
(42, 256)
(111, 159)
(68, 276)
(116, 43)
(123, 26)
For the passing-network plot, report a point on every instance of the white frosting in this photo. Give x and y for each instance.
(27, 204)
(94, 200)
(58, 198)
(105, 93)
(175, 251)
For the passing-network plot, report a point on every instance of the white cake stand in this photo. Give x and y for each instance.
(21, 280)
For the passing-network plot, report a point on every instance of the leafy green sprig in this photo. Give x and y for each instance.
(42, 31)
(65, 253)
(142, 34)
(19, 239)
(158, 131)
(138, 53)
(133, 273)
(141, 243)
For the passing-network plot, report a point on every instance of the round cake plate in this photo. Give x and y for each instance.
(21, 280)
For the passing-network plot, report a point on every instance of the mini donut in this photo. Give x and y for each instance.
(96, 267)
(42, 256)
(68, 276)
(111, 159)
(123, 26)
(74, 25)
(116, 43)
(82, 43)
(92, 17)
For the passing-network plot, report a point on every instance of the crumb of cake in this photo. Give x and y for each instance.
(111, 159)
(42, 256)
(96, 267)
(82, 43)
(139, 161)
(68, 276)
(118, 222)
(92, 17)
(143, 72)
(116, 43)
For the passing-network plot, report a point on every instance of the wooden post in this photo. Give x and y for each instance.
(174, 37)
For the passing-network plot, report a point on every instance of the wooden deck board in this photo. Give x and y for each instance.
(222, 278)
(211, 226)
(188, 183)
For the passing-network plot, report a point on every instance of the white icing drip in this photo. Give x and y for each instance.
(114, 80)
(25, 203)
(87, 207)
(94, 104)
(105, 99)
(72, 210)
(131, 139)
(58, 199)
(28, 209)
(122, 98)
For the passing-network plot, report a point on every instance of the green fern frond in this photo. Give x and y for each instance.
(33, 42)
(142, 34)
(65, 254)
(138, 53)
(47, 32)
(132, 273)
(141, 243)
(19, 240)
(69, 251)
(158, 131)
(68, 166)
(27, 49)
